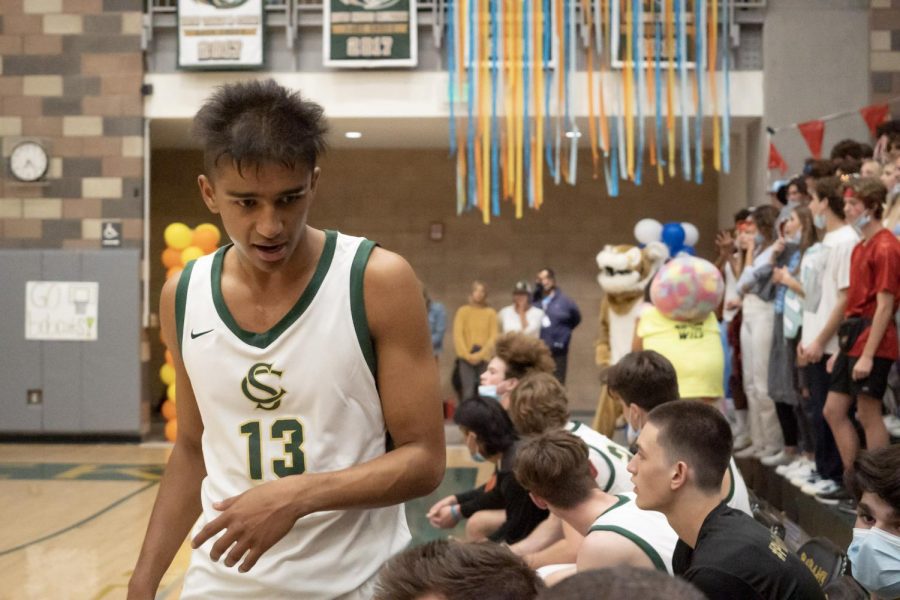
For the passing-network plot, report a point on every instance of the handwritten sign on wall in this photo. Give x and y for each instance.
(61, 310)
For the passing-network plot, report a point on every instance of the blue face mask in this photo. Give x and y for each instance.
(488, 391)
(819, 220)
(477, 457)
(862, 221)
(875, 556)
(758, 239)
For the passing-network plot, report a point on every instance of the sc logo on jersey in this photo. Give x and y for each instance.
(262, 387)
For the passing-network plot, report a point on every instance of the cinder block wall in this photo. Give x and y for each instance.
(393, 196)
(884, 46)
(70, 75)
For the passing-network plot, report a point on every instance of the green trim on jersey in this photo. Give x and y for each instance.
(609, 463)
(181, 299)
(649, 550)
(621, 500)
(358, 303)
(575, 427)
(731, 487)
(262, 340)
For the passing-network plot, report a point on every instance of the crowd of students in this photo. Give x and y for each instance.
(810, 313)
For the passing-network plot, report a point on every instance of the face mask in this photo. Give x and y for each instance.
(631, 434)
(819, 221)
(758, 239)
(862, 221)
(477, 457)
(875, 556)
(488, 391)
(793, 239)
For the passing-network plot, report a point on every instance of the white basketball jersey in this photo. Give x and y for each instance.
(647, 528)
(738, 497)
(609, 459)
(300, 398)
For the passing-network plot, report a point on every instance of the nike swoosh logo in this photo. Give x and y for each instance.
(196, 335)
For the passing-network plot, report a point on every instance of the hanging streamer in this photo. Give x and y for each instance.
(470, 139)
(526, 105)
(681, 59)
(713, 37)
(495, 124)
(638, 18)
(451, 72)
(726, 74)
(570, 115)
(657, 77)
(700, 58)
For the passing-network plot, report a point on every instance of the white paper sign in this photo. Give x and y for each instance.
(220, 34)
(61, 310)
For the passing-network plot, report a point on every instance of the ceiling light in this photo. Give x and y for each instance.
(573, 134)
(353, 135)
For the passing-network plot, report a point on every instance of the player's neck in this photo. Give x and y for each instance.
(687, 514)
(582, 516)
(299, 267)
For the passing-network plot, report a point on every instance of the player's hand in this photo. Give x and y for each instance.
(814, 352)
(443, 519)
(829, 366)
(252, 523)
(862, 368)
(137, 591)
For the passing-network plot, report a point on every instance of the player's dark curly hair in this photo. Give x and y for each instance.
(523, 354)
(257, 122)
(489, 422)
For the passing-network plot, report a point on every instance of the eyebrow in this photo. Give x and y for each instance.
(290, 192)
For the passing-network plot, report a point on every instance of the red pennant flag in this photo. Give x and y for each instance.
(874, 115)
(776, 161)
(813, 132)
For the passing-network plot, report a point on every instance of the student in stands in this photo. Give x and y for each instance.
(682, 456)
(646, 379)
(555, 469)
(874, 553)
(449, 570)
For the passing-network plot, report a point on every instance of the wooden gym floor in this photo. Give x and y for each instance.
(75, 516)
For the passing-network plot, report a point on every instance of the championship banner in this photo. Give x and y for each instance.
(220, 34)
(370, 33)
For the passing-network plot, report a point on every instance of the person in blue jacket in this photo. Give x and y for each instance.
(561, 316)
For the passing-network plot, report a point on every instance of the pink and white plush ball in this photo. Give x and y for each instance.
(687, 288)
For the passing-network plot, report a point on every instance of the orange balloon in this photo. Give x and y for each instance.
(169, 360)
(206, 237)
(171, 258)
(168, 410)
(174, 271)
(171, 429)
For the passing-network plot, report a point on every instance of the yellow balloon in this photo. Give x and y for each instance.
(170, 392)
(167, 374)
(178, 236)
(191, 253)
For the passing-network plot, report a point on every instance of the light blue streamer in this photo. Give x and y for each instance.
(612, 175)
(570, 72)
(681, 60)
(548, 87)
(640, 88)
(470, 138)
(495, 126)
(451, 71)
(700, 49)
(660, 133)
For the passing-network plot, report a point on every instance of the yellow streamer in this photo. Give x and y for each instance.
(628, 76)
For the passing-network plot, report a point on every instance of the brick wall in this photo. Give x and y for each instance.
(70, 75)
(392, 196)
(884, 46)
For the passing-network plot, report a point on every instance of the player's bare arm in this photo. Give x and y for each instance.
(178, 501)
(408, 386)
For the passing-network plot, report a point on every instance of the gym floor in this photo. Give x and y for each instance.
(76, 516)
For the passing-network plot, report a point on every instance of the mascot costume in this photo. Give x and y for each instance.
(625, 272)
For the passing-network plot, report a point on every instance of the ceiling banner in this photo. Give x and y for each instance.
(369, 33)
(220, 34)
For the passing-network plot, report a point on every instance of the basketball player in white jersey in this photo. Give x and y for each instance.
(642, 381)
(555, 469)
(308, 406)
(537, 405)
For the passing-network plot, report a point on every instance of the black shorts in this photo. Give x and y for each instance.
(873, 386)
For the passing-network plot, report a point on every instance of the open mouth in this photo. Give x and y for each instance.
(270, 251)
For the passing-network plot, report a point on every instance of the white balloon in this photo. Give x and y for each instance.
(647, 230)
(691, 234)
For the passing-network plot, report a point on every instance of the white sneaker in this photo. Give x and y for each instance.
(823, 486)
(892, 423)
(741, 441)
(804, 477)
(748, 452)
(781, 458)
(766, 452)
(787, 470)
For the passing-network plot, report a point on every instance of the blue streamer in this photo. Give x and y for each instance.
(451, 71)
(681, 60)
(612, 175)
(657, 46)
(526, 101)
(495, 127)
(548, 87)
(637, 42)
(726, 116)
(470, 138)
(700, 49)
(570, 71)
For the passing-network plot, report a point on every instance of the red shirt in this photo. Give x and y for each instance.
(874, 268)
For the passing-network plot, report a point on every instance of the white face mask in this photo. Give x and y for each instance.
(793, 239)
(488, 391)
(820, 221)
(875, 556)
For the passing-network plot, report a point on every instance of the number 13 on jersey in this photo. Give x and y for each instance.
(290, 433)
